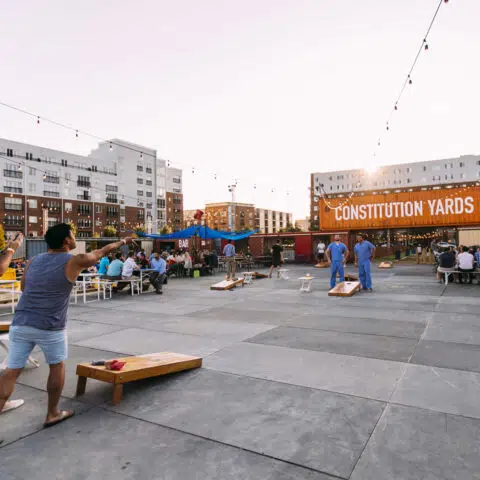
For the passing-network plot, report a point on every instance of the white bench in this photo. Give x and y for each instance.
(446, 272)
(306, 285)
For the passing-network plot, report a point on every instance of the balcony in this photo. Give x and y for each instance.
(83, 197)
(12, 189)
(111, 199)
(48, 193)
(83, 183)
(112, 213)
(13, 173)
(51, 179)
(111, 188)
(11, 222)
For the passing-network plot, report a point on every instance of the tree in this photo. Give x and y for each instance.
(109, 231)
(2, 238)
(166, 230)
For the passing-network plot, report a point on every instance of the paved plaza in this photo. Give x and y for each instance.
(380, 386)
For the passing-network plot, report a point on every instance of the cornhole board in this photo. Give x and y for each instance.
(385, 265)
(5, 325)
(227, 284)
(258, 275)
(136, 368)
(350, 277)
(345, 289)
(321, 265)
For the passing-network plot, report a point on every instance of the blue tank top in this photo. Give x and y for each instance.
(44, 302)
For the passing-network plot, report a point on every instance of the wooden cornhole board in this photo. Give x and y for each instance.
(385, 265)
(321, 265)
(257, 275)
(227, 284)
(345, 289)
(136, 368)
(5, 325)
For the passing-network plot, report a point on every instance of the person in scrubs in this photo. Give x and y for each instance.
(337, 255)
(364, 254)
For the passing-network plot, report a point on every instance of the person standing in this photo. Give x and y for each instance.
(477, 258)
(364, 254)
(157, 278)
(419, 253)
(41, 315)
(337, 256)
(277, 258)
(229, 253)
(321, 251)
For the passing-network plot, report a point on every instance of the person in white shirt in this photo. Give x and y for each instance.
(129, 266)
(419, 253)
(465, 265)
(321, 251)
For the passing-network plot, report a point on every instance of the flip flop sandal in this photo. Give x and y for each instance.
(65, 415)
(12, 405)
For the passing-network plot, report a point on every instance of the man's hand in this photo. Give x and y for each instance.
(356, 264)
(129, 240)
(15, 244)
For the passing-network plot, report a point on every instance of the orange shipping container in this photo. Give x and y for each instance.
(430, 208)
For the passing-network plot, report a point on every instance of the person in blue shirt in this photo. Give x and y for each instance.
(364, 254)
(104, 263)
(477, 257)
(337, 255)
(114, 271)
(229, 253)
(157, 278)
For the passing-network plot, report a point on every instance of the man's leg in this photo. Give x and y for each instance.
(7, 384)
(333, 274)
(234, 269)
(229, 269)
(55, 348)
(271, 271)
(160, 280)
(341, 272)
(368, 276)
(361, 275)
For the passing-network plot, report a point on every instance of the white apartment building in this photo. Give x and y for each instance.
(271, 221)
(116, 172)
(430, 174)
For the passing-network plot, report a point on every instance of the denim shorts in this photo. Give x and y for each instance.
(23, 339)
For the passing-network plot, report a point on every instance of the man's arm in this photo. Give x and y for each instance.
(79, 262)
(346, 255)
(10, 248)
(327, 252)
(372, 256)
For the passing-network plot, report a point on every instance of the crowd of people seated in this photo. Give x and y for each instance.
(466, 262)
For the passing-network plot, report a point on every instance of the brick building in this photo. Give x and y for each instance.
(113, 186)
(229, 216)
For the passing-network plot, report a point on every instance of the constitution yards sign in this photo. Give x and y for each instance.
(443, 207)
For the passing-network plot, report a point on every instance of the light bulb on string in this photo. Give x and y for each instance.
(38, 120)
(76, 133)
(426, 44)
(111, 146)
(214, 176)
(396, 106)
(193, 170)
(388, 127)
(19, 167)
(410, 80)
(141, 155)
(44, 176)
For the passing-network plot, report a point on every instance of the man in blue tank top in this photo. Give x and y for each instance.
(337, 255)
(41, 315)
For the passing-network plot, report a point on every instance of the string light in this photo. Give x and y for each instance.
(141, 155)
(111, 146)
(38, 120)
(76, 133)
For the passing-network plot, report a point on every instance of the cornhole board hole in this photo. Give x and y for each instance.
(385, 265)
(227, 284)
(5, 325)
(350, 277)
(321, 265)
(259, 275)
(345, 289)
(135, 368)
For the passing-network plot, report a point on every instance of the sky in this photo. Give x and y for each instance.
(258, 92)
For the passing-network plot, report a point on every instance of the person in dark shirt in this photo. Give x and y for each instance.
(446, 259)
(277, 259)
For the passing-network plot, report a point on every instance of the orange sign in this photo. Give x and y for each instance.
(430, 208)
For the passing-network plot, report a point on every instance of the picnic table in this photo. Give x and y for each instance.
(9, 288)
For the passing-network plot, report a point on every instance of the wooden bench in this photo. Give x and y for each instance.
(385, 265)
(321, 265)
(135, 368)
(345, 289)
(227, 284)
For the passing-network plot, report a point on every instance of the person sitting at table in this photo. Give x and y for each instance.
(143, 262)
(158, 277)
(114, 271)
(103, 266)
(477, 257)
(446, 260)
(129, 266)
(465, 265)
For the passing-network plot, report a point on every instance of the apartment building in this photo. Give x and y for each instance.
(271, 221)
(434, 174)
(230, 216)
(114, 185)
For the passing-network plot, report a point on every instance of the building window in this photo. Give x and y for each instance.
(12, 187)
(32, 220)
(68, 207)
(13, 203)
(83, 181)
(140, 193)
(176, 179)
(9, 152)
(32, 203)
(462, 175)
(424, 169)
(177, 190)
(461, 164)
(148, 170)
(139, 168)
(98, 209)
(32, 171)
(161, 203)
(149, 194)
(148, 182)
(111, 188)
(140, 181)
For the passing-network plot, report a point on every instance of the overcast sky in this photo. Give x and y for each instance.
(264, 91)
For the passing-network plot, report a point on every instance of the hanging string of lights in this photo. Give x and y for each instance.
(111, 143)
(424, 47)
